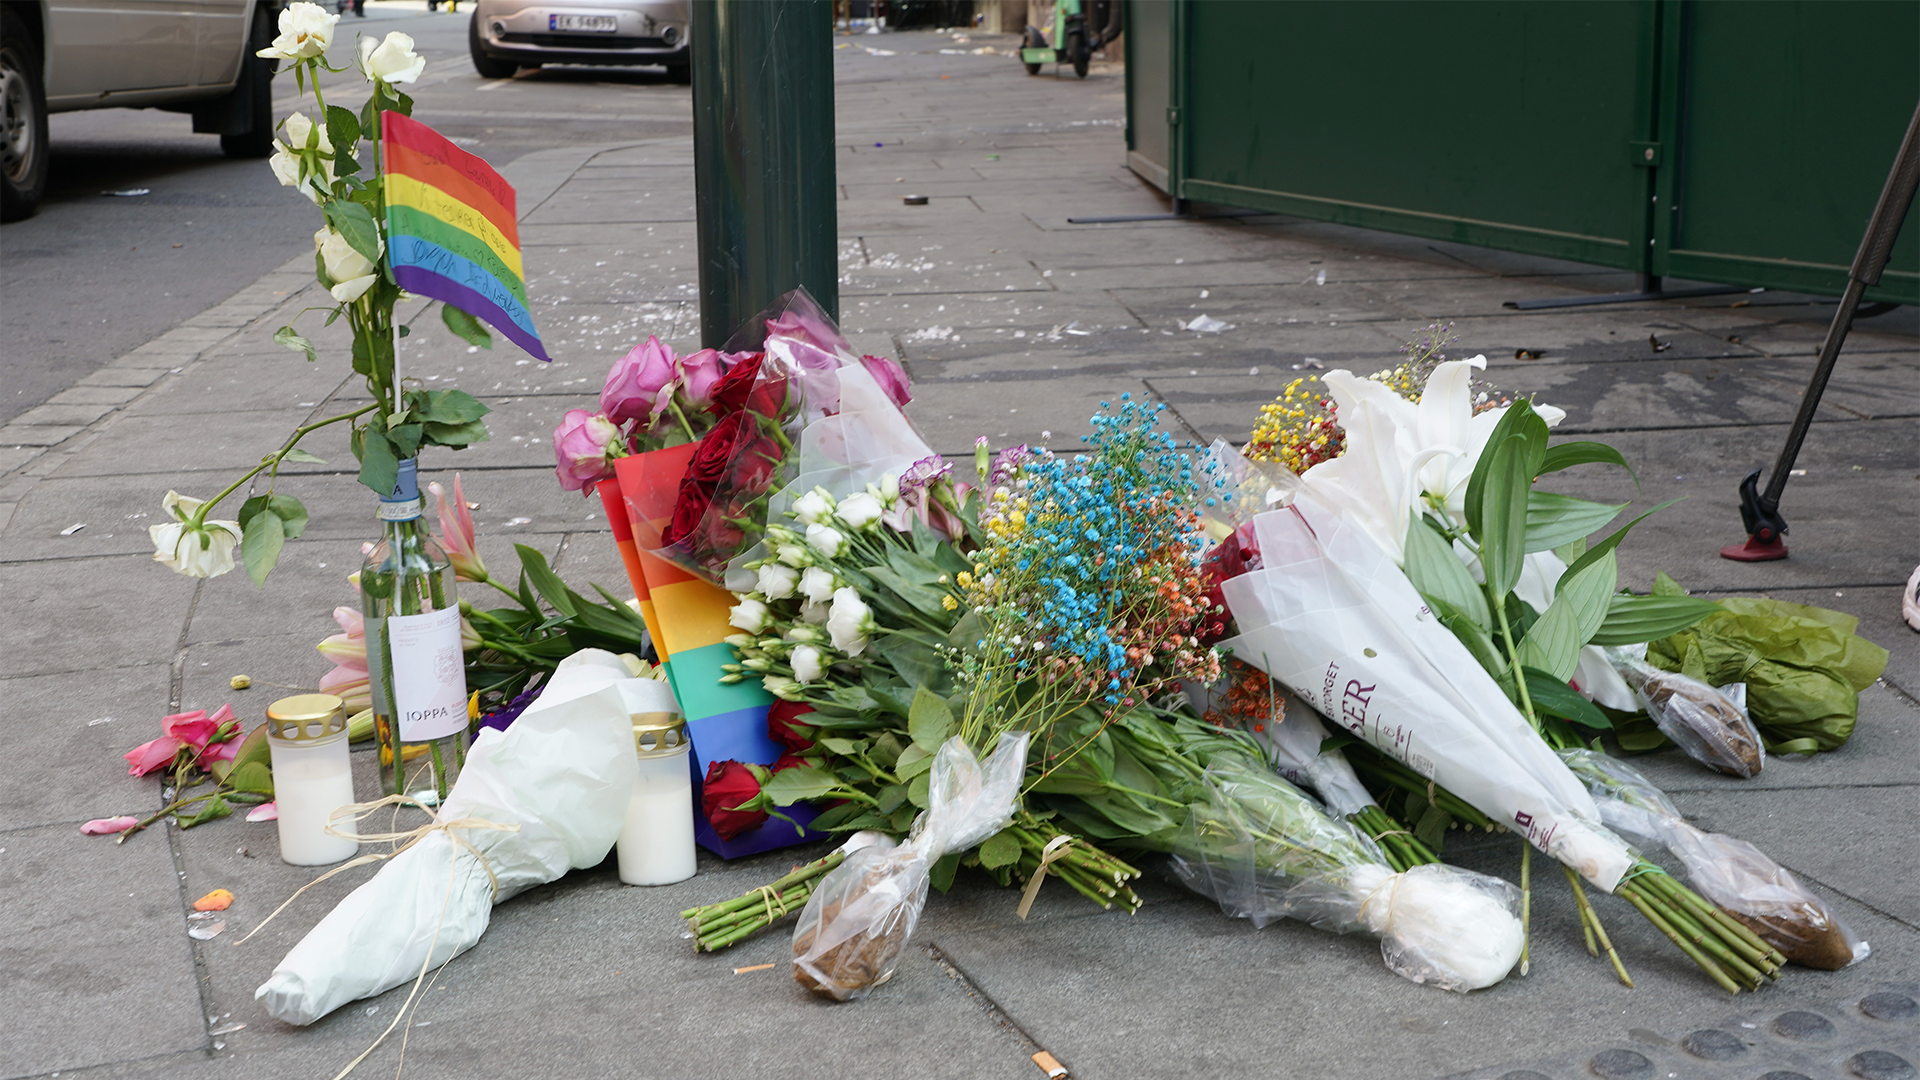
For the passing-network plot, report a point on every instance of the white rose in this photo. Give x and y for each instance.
(860, 510)
(794, 555)
(813, 506)
(807, 664)
(353, 273)
(889, 488)
(202, 552)
(749, 615)
(818, 583)
(849, 621)
(393, 60)
(305, 31)
(777, 580)
(781, 687)
(826, 540)
(813, 614)
(288, 152)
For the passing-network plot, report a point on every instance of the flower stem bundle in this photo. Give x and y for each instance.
(716, 926)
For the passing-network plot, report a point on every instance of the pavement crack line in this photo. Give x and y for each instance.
(996, 1015)
(1198, 437)
(202, 978)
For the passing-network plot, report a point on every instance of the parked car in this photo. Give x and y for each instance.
(190, 56)
(507, 35)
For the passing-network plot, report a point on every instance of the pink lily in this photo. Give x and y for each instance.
(456, 532)
(211, 738)
(264, 812)
(348, 651)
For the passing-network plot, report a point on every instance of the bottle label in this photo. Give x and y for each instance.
(399, 511)
(429, 675)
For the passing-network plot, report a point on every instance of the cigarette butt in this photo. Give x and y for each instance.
(756, 967)
(1050, 1065)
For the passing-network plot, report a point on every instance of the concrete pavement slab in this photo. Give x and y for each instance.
(91, 716)
(97, 956)
(89, 613)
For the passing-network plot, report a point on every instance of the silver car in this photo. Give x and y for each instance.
(506, 35)
(189, 56)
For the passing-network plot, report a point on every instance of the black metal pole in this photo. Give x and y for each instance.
(1760, 512)
(763, 157)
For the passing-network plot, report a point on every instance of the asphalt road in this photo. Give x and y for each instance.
(93, 276)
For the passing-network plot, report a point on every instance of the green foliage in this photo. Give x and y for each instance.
(465, 327)
(353, 222)
(930, 720)
(1438, 574)
(1579, 607)
(288, 337)
(1554, 697)
(1568, 454)
(1633, 619)
(1556, 520)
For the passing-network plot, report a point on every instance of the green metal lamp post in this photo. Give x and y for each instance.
(763, 155)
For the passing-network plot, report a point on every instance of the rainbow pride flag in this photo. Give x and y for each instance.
(450, 229)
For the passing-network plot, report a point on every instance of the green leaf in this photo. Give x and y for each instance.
(253, 777)
(260, 545)
(447, 406)
(465, 327)
(917, 662)
(917, 793)
(457, 436)
(352, 221)
(929, 721)
(379, 465)
(1554, 520)
(343, 130)
(1000, 849)
(544, 579)
(287, 337)
(250, 509)
(1474, 638)
(940, 874)
(844, 747)
(910, 765)
(891, 797)
(405, 439)
(1633, 619)
(1568, 454)
(215, 807)
(1579, 607)
(1432, 827)
(1555, 698)
(292, 515)
(1512, 422)
(798, 784)
(302, 457)
(1503, 514)
(1666, 586)
(1436, 571)
(1613, 541)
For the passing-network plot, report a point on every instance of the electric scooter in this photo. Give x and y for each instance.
(1075, 40)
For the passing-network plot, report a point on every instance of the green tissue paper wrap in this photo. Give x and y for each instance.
(1804, 667)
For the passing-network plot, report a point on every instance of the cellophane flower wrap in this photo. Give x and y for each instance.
(850, 934)
(1264, 850)
(1730, 872)
(1330, 616)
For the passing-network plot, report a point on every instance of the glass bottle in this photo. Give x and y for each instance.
(415, 667)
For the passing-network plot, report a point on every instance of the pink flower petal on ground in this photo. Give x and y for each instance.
(107, 826)
(264, 812)
(157, 754)
(220, 751)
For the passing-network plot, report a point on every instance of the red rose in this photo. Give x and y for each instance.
(769, 397)
(710, 461)
(688, 511)
(730, 393)
(788, 761)
(728, 787)
(780, 719)
(756, 466)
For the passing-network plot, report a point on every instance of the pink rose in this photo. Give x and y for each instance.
(585, 446)
(891, 378)
(634, 382)
(698, 372)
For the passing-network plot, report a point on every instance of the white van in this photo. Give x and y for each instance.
(190, 56)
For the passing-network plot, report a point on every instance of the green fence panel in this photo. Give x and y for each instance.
(1789, 116)
(1500, 124)
(1149, 48)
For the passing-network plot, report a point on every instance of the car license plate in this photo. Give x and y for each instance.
(591, 24)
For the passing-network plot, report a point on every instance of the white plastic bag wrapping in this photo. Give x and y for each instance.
(1731, 873)
(1332, 618)
(562, 773)
(860, 916)
(1710, 725)
(1264, 850)
(1293, 745)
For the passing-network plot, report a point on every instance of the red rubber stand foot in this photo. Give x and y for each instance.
(1755, 551)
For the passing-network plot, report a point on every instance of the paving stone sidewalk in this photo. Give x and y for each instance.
(1014, 323)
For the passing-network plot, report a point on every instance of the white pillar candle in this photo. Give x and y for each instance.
(656, 844)
(312, 777)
